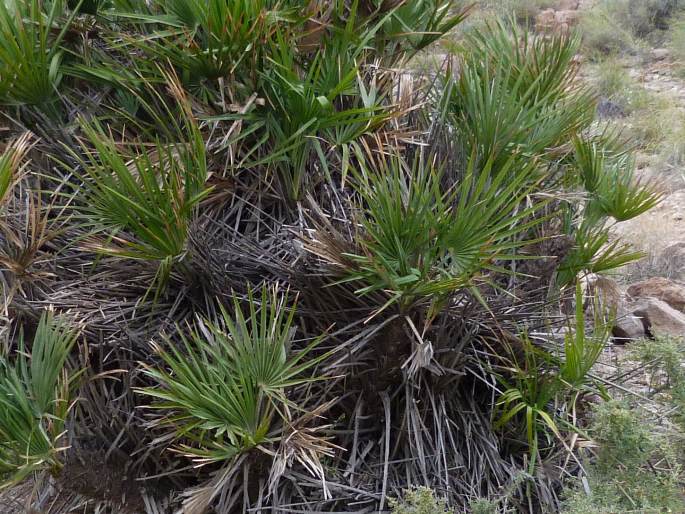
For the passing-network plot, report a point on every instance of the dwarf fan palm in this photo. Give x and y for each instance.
(36, 396)
(30, 57)
(11, 164)
(143, 195)
(227, 385)
(421, 240)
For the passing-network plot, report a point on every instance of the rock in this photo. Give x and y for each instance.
(568, 5)
(628, 327)
(672, 261)
(561, 21)
(664, 289)
(545, 20)
(568, 18)
(606, 290)
(659, 318)
(659, 54)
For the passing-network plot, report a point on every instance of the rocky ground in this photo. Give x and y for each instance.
(654, 305)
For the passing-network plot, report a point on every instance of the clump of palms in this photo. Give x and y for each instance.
(426, 224)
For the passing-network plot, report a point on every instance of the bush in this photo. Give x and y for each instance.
(677, 44)
(36, 394)
(424, 226)
(420, 500)
(603, 34)
(624, 477)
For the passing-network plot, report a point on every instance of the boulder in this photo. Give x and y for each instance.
(551, 21)
(606, 290)
(568, 5)
(659, 54)
(672, 260)
(659, 318)
(669, 291)
(567, 18)
(628, 327)
(545, 20)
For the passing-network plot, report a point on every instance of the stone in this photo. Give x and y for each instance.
(664, 289)
(545, 20)
(659, 54)
(659, 318)
(606, 290)
(671, 261)
(560, 21)
(567, 18)
(568, 5)
(627, 328)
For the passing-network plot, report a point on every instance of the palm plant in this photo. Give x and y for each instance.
(528, 395)
(612, 192)
(30, 57)
(227, 384)
(419, 24)
(582, 350)
(610, 182)
(594, 252)
(217, 39)
(423, 241)
(36, 393)
(229, 143)
(516, 97)
(327, 109)
(542, 381)
(144, 198)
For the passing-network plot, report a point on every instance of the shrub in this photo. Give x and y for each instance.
(602, 34)
(677, 33)
(144, 199)
(429, 225)
(11, 164)
(420, 500)
(30, 52)
(623, 478)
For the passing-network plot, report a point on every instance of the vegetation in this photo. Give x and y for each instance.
(36, 396)
(303, 277)
(419, 501)
(638, 458)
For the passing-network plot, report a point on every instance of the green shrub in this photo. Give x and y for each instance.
(677, 45)
(227, 383)
(11, 164)
(624, 477)
(616, 26)
(663, 358)
(419, 500)
(30, 54)
(143, 198)
(602, 35)
(426, 223)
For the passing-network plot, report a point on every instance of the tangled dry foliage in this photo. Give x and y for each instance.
(259, 264)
